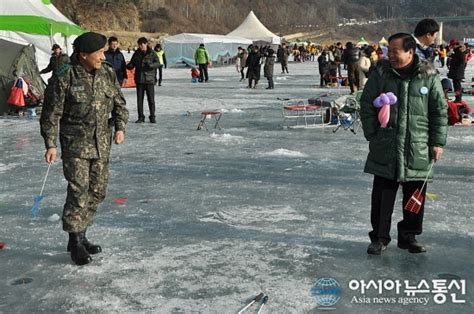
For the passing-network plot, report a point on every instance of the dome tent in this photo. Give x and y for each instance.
(37, 22)
(251, 28)
(181, 48)
(17, 61)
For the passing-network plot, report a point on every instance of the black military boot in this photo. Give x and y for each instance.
(79, 254)
(90, 247)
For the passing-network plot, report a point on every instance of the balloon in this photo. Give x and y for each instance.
(384, 115)
(392, 99)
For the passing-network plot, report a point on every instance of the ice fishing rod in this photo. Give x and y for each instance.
(256, 299)
(264, 301)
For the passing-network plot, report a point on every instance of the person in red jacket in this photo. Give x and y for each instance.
(456, 108)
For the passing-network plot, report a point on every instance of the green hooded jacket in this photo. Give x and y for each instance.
(418, 120)
(202, 56)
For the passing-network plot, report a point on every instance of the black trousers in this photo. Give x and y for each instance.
(242, 74)
(270, 82)
(160, 74)
(384, 193)
(149, 89)
(284, 67)
(457, 86)
(203, 75)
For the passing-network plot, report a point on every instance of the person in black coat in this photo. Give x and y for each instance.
(116, 59)
(457, 66)
(57, 60)
(145, 62)
(253, 67)
(350, 57)
(323, 68)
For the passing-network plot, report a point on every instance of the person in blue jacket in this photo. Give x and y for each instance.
(116, 60)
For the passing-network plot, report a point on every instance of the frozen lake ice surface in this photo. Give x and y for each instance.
(209, 219)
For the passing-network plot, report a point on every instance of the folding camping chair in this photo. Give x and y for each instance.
(348, 116)
(209, 115)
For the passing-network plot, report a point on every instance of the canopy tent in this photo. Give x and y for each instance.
(254, 30)
(362, 42)
(383, 42)
(17, 61)
(37, 22)
(181, 48)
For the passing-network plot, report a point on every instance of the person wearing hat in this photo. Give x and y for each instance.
(57, 60)
(425, 36)
(85, 106)
(145, 62)
(401, 153)
(202, 59)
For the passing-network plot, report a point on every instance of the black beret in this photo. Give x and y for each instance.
(89, 42)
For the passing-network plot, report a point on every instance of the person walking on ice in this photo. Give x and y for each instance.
(85, 105)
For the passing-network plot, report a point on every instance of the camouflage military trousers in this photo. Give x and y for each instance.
(87, 184)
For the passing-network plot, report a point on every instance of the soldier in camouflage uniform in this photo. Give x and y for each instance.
(84, 103)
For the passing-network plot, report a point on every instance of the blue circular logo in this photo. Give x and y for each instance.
(326, 291)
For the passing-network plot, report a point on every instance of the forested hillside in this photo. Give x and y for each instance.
(282, 17)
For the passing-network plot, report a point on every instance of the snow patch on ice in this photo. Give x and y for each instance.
(233, 110)
(6, 167)
(282, 152)
(226, 138)
(53, 218)
(253, 214)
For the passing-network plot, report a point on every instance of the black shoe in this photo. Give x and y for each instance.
(376, 248)
(140, 120)
(412, 245)
(79, 254)
(90, 247)
(159, 84)
(152, 120)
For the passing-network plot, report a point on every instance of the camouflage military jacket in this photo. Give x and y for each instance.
(84, 108)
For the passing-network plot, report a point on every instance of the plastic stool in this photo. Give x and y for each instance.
(209, 115)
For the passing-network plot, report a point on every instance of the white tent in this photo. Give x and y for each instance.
(37, 22)
(254, 30)
(181, 48)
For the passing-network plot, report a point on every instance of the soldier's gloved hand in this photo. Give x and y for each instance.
(50, 155)
(119, 137)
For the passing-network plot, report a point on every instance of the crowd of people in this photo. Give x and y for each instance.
(81, 85)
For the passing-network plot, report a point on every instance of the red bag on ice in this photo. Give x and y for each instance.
(17, 98)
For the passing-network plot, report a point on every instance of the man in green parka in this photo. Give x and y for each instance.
(401, 153)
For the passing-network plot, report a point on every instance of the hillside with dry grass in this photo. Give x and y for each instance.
(155, 18)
